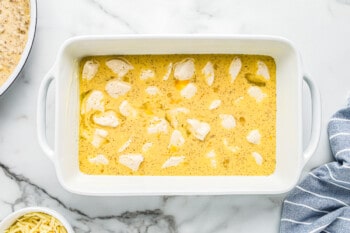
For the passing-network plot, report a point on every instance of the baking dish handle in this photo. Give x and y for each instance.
(41, 114)
(316, 119)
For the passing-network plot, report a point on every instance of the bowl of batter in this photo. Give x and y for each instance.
(17, 29)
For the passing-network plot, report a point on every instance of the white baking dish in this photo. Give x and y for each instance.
(31, 32)
(290, 157)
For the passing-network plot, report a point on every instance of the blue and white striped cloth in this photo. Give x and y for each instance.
(320, 203)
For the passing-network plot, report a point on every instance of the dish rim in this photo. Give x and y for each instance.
(302, 158)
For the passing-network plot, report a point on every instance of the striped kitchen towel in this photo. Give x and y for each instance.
(320, 203)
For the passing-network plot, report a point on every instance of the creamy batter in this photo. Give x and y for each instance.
(209, 114)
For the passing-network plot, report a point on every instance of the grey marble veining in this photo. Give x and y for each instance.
(30, 194)
(175, 214)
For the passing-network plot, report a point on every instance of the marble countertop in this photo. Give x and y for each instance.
(319, 29)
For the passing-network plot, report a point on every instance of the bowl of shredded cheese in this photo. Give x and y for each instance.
(35, 220)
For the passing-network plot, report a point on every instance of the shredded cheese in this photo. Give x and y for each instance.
(36, 222)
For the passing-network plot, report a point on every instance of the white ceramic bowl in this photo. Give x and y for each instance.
(290, 156)
(10, 219)
(26, 50)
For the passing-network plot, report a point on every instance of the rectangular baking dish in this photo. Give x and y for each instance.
(290, 157)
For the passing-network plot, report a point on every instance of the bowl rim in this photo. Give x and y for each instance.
(10, 219)
(26, 51)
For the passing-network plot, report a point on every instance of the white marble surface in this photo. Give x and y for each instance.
(320, 29)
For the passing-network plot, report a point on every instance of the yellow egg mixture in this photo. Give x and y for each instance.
(211, 114)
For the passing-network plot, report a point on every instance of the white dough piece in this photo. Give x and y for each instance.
(208, 72)
(233, 149)
(199, 129)
(258, 158)
(235, 68)
(168, 72)
(172, 115)
(173, 161)
(127, 110)
(184, 70)
(90, 69)
(254, 137)
(152, 90)
(263, 70)
(176, 139)
(214, 104)
(189, 91)
(108, 118)
(125, 145)
(256, 93)
(99, 137)
(227, 121)
(119, 66)
(116, 88)
(99, 159)
(147, 146)
(158, 125)
(94, 101)
(147, 74)
(132, 161)
(211, 155)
